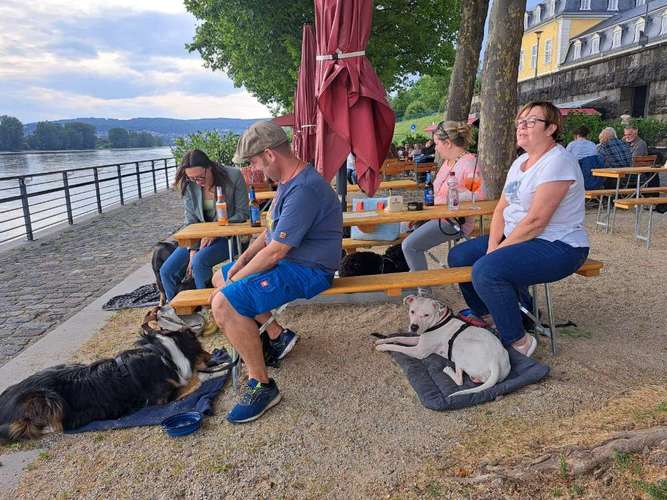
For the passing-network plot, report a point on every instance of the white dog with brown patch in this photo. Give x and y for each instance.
(473, 350)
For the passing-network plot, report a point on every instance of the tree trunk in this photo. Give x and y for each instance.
(468, 48)
(498, 97)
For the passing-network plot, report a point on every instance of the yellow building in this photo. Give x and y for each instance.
(550, 25)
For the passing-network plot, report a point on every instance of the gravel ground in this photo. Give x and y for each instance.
(350, 426)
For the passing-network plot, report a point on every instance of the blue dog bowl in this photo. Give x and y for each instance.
(182, 424)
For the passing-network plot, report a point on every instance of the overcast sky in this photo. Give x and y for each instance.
(108, 58)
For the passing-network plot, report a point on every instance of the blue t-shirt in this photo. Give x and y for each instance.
(307, 216)
(582, 148)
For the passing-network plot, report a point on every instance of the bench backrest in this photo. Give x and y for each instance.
(644, 161)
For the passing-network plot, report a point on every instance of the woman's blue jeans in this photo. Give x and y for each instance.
(500, 280)
(173, 270)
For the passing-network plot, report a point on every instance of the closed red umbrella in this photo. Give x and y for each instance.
(305, 106)
(353, 113)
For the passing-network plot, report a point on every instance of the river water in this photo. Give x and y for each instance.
(37, 162)
(48, 198)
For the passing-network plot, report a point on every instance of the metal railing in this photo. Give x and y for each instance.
(33, 202)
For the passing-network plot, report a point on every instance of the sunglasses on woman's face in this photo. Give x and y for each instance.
(198, 178)
(529, 122)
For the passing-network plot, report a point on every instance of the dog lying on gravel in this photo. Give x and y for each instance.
(162, 367)
(471, 349)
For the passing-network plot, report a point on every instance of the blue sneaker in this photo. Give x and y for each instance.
(256, 399)
(281, 346)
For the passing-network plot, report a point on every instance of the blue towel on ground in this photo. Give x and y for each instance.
(201, 401)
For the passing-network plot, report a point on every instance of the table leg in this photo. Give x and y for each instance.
(230, 248)
(610, 223)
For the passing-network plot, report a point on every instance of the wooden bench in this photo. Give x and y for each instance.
(638, 203)
(393, 285)
(597, 193)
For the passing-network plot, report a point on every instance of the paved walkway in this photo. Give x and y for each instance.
(46, 281)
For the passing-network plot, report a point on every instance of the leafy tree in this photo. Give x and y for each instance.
(47, 137)
(11, 133)
(259, 46)
(119, 138)
(218, 147)
(416, 109)
(428, 92)
(79, 135)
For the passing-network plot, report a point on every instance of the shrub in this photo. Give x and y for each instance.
(218, 147)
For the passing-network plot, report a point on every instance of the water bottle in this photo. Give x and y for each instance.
(429, 195)
(452, 192)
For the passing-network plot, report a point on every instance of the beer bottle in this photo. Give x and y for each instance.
(429, 194)
(255, 212)
(221, 206)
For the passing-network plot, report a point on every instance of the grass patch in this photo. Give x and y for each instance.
(402, 128)
(563, 468)
(575, 333)
(655, 491)
(44, 455)
(576, 490)
(626, 462)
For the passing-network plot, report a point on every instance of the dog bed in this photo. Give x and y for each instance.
(201, 401)
(434, 387)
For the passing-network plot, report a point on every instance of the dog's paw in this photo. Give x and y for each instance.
(382, 346)
(382, 341)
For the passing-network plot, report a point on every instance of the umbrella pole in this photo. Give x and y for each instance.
(341, 189)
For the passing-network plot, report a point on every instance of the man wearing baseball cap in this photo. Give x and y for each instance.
(295, 257)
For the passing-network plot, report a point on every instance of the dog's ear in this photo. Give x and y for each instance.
(409, 299)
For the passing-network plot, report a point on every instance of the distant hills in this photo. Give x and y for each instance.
(168, 128)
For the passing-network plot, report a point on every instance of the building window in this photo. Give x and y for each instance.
(639, 29)
(551, 8)
(577, 50)
(533, 57)
(547, 52)
(521, 60)
(613, 5)
(526, 17)
(585, 5)
(538, 15)
(663, 29)
(595, 44)
(616, 37)
(640, 2)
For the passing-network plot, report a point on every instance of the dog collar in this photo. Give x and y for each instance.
(442, 322)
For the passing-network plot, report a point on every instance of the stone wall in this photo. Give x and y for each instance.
(605, 80)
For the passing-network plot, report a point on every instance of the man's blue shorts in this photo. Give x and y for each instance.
(262, 292)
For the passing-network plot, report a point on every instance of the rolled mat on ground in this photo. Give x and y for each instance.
(434, 387)
(144, 296)
(201, 401)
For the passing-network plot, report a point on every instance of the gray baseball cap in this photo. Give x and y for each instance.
(258, 137)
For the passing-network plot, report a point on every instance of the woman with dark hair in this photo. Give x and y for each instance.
(537, 232)
(197, 178)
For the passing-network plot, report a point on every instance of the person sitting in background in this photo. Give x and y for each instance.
(197, 178)
(637, 144)
(452, 140)
(351, 173)
(427, 154)
(537, 233)
(615, 152)
(580, 146)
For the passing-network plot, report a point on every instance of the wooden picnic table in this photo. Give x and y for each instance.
(618, 174)
(189, 235)
(352, 188)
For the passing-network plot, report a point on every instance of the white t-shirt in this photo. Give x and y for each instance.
(567, 222)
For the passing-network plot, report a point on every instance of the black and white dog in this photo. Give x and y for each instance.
(161, 368)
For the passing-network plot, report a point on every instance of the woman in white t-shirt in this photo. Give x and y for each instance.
(537, 232)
